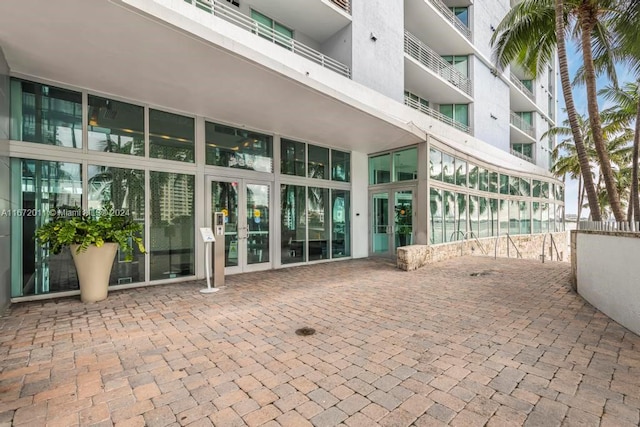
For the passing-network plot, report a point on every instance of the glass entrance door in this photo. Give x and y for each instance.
(246, 206)
(392, 219)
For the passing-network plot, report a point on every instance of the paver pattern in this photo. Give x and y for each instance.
(512, 346)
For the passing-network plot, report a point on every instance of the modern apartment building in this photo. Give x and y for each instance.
(324, 129)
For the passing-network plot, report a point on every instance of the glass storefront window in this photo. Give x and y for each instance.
(461, 210)
(292, 158)
(318, 163)
(525, 187)
(514, 217)
(525, 220)
(504, 184)
(493, 217)
(115, 126)
(122, 190)
(341, 223)
(435, 217)
(461, 173)
(225, 198)
(37, 188)
(319, 215)
(405, 165)
(449, 216)
(536, 188)
(483, 179)
(493, 182)
(45, 114)
(474, 215)
(448, 168)
(474, 176)
(544, 190)
(294, 224)
(171, 136)
(380, 169)
(503, 206)
(172, 238)
(514, 186)
(238, 148)
(435, 164)
(340, 166)
(536, 215)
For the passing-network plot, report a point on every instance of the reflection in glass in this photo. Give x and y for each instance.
(473, 176)
(474, 215)
(257, 223)
(405, 164)
(319, 219)
(493, 217)
(318, 164)
(41, 186)
(514, 217)
(294, 223)
(461, 211)
(493, 182)
(123, 190)
(483, 220)
(514, 185)
(224, 198)
(381, 223)
(172, 241)
(448, 168)
(536, 188)
(435, 164)
(450, 216)
(483, 179)
(461, 173)
(380, 169)
(504, 184)
(544, 190)
(340, 166)
(238, 148)
(504, 216)
(435, 217)
(536, 216)
(403, 218)
(525, 220)
(115, 126)
(171, 136)
(341, 223)
(525, 187)
(292, 158)
(45, 114)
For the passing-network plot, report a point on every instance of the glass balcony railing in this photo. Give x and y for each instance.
(516, 81)
(427, 57)
(451, 17)
(417, 105)
(522, 156)
(232, 15)
(525, 127)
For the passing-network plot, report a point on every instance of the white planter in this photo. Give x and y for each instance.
(94, 268)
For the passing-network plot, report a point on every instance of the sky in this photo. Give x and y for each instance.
(580, 101)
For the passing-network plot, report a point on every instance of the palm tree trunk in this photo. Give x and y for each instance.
(635, 199)
(588, 17)
(580, 197)
(585, 167)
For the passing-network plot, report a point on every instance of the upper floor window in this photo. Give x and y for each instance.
(45, 114)
(457, 112)
(238, 148)
(115, 126)
(272, 30)
(460, 63)
(462, 13)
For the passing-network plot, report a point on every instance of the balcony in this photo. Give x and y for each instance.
(416, 105)
(522, 156)
(521, 87)
(433, 22)
(521, 131)
(425, 56)
(232, 15)
(317, 19)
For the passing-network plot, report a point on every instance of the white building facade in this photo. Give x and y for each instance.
(324, 129)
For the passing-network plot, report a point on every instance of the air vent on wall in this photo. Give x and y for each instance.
(234, 2)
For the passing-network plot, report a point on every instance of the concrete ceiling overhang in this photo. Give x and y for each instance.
(107, 48)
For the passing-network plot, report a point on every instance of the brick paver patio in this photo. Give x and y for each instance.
(511, 346)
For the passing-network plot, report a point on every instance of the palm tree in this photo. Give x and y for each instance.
(538, 23)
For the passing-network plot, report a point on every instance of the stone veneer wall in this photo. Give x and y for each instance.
(530, 246)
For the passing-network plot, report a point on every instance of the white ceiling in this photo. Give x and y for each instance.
(107, 48)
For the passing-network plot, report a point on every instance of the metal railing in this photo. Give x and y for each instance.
(509, 240)
(522, 156)
(415, 48)
(518, 83)
(609, 226)
(521, 124)
(451, 17)
(435, 114)
(231, 15)
(343, 4)
(465, 237)
(553, 246)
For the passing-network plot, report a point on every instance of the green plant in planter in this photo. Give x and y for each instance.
(73, 226)
(404, 220)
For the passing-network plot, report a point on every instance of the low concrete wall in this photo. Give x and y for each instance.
(607, 273)
(530, 247)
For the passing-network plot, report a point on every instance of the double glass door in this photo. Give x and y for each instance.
(246, 206)
(392, 219)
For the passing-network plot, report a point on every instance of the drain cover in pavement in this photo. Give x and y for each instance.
(305, 331)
